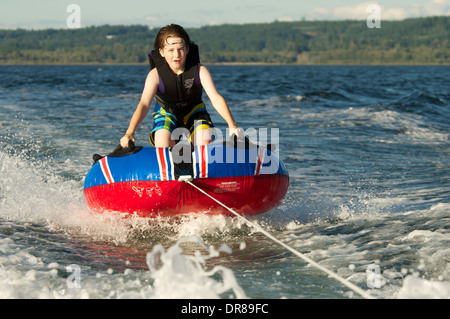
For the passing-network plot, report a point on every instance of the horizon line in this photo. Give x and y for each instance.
(212, 25)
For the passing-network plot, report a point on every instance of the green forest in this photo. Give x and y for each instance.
(410, 41)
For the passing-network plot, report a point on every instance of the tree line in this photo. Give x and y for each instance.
(410, 41)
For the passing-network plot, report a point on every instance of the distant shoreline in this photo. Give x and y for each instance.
(418, 41)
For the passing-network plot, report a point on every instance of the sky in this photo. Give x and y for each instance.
(33, 14)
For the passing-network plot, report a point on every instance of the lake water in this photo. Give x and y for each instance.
(368, 153)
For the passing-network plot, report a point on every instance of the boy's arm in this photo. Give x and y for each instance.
(218, 101)
(150, 88)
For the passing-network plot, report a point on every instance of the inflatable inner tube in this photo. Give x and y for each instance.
(145, 181)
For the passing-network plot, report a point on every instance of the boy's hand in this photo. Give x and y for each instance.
(236, 131)
(125, 139)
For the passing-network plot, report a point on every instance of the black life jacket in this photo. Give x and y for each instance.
(178, 94)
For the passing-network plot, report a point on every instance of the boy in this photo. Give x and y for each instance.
(176, 79)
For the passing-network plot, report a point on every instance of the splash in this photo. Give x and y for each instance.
(177, 275)
(30, 192)
(415, 287)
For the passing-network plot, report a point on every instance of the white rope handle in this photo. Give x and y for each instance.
(332, 274)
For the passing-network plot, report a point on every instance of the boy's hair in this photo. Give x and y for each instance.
(172, 30)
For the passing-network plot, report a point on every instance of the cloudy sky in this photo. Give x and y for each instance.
(194, 13)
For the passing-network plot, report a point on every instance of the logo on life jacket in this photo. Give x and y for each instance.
(188, 85)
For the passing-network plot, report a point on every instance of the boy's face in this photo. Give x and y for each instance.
(175, 53)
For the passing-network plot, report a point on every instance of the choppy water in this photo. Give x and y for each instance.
(367, 149)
